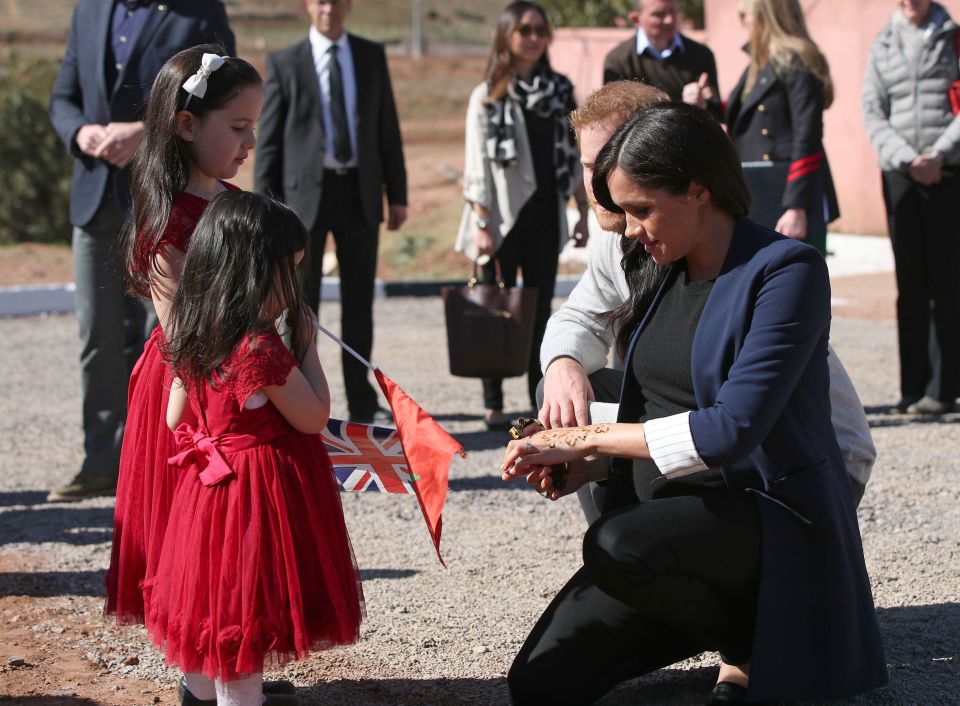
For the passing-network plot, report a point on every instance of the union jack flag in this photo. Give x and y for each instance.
(367, 458)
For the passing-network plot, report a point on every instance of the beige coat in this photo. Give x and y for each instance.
(502, 190)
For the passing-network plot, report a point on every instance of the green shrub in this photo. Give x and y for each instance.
(35, 176)
(602, 13)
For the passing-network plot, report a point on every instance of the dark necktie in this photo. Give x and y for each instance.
(342, 150)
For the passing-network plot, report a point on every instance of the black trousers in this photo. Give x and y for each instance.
(926, 248)
(356, 241)
(533, 246)
(662, 581)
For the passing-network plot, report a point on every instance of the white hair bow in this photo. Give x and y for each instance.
(196, 85)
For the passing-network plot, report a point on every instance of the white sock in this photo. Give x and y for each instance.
(201, 687)
(241, 692)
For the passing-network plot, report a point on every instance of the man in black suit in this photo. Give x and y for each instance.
(329, 147)
(115, 49)
(660, 56)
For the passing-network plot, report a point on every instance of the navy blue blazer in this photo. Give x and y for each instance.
(759, 365)
(81, 96)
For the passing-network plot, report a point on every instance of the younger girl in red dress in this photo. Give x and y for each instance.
(193, 141)
(256, 566)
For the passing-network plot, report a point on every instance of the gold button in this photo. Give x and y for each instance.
(762, 108)
(766, 158)
(764, 132)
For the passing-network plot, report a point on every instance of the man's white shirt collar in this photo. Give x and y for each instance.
(644, 44)
(321, 44)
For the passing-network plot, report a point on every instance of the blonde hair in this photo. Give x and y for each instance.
(779, 35)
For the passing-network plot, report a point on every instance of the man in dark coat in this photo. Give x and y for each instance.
(330, 147)
(662, 57)
(115, 49)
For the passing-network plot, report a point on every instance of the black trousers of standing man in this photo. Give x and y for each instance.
(926, 249)
(356, 241)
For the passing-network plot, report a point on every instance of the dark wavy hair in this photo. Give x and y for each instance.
(667, 146)
(500, 70)
(162, 165)
(240, 255)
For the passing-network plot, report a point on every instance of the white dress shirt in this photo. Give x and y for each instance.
(644, 44)
(321, 62)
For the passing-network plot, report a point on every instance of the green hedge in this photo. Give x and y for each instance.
(35, 172)
(602, 13)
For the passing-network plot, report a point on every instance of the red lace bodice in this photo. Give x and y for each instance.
(185, 213)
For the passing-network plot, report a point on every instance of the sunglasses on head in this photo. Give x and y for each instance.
(527, 31)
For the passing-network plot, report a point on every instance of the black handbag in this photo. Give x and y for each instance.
(489, 327)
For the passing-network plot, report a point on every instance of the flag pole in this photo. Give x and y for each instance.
(343, 345)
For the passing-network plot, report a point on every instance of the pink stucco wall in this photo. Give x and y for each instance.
(843, 29)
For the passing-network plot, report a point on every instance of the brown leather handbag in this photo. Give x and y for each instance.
(489, 328)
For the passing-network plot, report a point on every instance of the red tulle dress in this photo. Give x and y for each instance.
(146, 481)
(256, 568)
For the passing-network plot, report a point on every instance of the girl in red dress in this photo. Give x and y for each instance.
(256, 566)
(193, 141)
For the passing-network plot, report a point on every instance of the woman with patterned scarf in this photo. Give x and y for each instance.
(521, 166)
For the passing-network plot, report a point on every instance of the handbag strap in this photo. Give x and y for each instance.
(499, 274)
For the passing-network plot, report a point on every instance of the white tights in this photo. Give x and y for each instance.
(240, 692)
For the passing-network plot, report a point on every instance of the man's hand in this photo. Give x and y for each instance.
(925, 170)
(120, 143)
(89, 138)
(566, 395)
(581, 231)
(396, 216)
(698, 93)
(793, 224)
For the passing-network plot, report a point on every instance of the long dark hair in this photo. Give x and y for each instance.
(500, 71)
(162, 165)
(240, 255)
(667, 146)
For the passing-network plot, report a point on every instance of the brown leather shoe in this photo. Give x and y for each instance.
(84, 485)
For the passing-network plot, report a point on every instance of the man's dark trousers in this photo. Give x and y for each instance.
(108, 351)
(356, 242)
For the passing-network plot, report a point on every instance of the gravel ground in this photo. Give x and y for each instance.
(435, 636)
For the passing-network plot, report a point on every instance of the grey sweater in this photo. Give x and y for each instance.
(905, 101)
(574, 331)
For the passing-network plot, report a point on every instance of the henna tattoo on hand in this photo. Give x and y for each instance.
(570, 436)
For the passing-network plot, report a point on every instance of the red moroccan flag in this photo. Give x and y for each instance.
(429, 451)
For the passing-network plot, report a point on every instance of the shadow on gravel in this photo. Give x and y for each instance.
(457, 417)
(372, 574)
(482, 440)
(44, 584)
(486, 483)
(70, 525)
(908, 420)
(47, 701)
(390, 692)
(22, 497)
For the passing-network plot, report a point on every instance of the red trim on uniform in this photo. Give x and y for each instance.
(804, 162)
(794, 175)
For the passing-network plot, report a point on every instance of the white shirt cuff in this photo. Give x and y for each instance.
(671, 446)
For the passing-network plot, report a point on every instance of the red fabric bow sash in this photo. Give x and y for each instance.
(205, 451)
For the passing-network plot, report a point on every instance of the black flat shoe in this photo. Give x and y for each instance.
(726, 692)
(279, 693)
